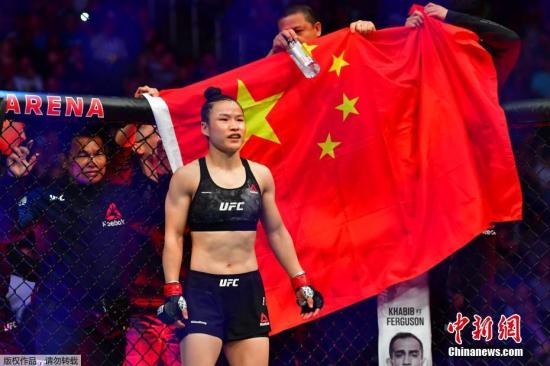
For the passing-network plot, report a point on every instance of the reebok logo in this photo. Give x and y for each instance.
(113, 217)
(229, 282)
(252, 188)
(231, 206)
(112, 213)
(264, 320)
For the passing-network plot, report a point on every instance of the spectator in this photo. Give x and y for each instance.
(79, 306)
(27, 79)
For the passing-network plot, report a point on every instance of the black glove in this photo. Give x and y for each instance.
(305, 291)
(174, 304)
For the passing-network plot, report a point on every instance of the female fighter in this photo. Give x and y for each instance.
(221, 197)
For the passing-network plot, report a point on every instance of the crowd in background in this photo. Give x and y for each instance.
(46, 46)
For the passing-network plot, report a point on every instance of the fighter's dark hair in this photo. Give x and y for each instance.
(309, 13)
(212, 95)
(403, 335)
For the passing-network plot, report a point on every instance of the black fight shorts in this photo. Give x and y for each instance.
(230, 307)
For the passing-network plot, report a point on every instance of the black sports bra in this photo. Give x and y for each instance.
(214, 208)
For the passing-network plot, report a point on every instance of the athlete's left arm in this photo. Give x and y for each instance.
(277, 233)
(309, 299)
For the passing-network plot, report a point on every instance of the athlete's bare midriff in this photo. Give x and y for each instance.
(223, 252)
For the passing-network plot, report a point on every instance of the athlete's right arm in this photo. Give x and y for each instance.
(176, 208)
(178, 200)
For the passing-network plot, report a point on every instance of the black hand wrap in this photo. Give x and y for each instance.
(174, 304)
(318, 300)
(305, 291)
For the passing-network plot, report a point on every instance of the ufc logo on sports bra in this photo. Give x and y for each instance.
(231, 206)
(229, 282)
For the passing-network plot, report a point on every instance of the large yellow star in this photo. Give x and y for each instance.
(255, 113)
(338, 63)
(328, 147)
(348, 106)
(309, 47)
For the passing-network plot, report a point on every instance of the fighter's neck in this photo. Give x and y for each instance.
(223, 160)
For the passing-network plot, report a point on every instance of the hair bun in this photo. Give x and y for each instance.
(212, 93)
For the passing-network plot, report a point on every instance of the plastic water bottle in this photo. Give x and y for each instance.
(305, 62)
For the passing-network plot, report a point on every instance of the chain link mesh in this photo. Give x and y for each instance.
(63, 290)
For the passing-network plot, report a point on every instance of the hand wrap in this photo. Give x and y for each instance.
(305, 291)
(174, 304)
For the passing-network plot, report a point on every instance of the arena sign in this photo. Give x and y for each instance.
(28, 107)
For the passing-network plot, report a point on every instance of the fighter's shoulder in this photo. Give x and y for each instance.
(258, 168)
(187, 177)
(261, 173)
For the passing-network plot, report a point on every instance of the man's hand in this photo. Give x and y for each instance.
(280, 42)
(126, 136)
(415, 20)
(19, 163)
(146, 89)
(362, 27)
(436, 11)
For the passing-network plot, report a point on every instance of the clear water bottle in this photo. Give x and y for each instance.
(305, 62)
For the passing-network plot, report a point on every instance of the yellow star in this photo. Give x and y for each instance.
(328, 147)
(338, 63)
(309, 47)
(348, 106)
(255, 114)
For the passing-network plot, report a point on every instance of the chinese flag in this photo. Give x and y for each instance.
(396, 155)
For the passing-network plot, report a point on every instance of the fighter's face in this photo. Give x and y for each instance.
(297, 22)
(87, 160)
(226, 127)
(406, 352)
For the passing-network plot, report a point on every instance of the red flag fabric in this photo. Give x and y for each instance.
(393, 157)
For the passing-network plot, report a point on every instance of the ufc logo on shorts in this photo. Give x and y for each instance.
(230, 206)
(229, 282)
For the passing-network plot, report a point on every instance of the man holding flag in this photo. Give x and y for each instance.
(300, 23)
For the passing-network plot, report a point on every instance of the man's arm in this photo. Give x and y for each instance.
(21, 162)
(503, 43)
(363, 27)
(8, 209)
(280, 42)
(21, 206)
(126, 136)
